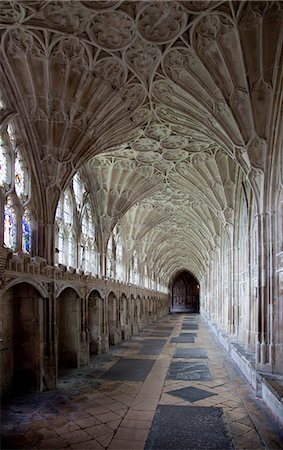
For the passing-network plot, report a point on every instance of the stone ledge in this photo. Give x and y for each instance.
(272, 395)
(267, 386)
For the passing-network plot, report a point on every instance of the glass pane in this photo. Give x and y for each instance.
(61, 247)
(19, 176)
(78, 190)
(3, 164)
(26, 233)
(68, 212)
(10, 226)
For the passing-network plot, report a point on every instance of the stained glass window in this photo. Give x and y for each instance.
(19, 176)
(10, 225)
(26, 232)
(3, 164)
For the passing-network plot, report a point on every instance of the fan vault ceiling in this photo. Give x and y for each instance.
(164, 105)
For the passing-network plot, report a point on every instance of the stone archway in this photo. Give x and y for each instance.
(185, 293)
(95, 315)
(68, 319)
(22, 357)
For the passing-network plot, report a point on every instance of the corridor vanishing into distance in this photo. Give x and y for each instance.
(171, 386)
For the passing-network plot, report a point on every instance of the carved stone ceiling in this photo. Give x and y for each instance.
(162, 103)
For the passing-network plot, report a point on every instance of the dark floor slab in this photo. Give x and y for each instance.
(190, 353)
(184, 334)
(187, 428)
(161, 328)
(190, 326)
(152, 346)
(188, 371)
(191, 394)
(129, 370)
(160, 334)
(189, 339)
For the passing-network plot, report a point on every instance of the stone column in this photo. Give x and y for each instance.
(50, 351)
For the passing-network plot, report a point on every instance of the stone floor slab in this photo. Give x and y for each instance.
(152, 346)
(129, 370)
(190, 353)
(189, 338)
(188, 371)
(191, 394)
(190, 326)
(187, 427)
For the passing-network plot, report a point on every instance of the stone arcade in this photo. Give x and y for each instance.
(140, 152)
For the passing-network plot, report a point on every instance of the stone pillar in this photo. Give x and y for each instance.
(84, 335)
(270, 334)
(46, 242)
(50, 371)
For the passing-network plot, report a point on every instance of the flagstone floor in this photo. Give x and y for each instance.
(124, 398)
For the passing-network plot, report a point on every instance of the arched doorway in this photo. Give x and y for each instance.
(95, 315)
(185, 293)
(22, 354)
(68, 314)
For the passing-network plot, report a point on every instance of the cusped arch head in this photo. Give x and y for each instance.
(41, 289)
(71, 287)
(111, 296)
(94, 293)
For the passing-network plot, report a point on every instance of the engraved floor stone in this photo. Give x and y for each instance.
(191, 394)
(189, 338)
(187, 427)
(190, 353)
(129, 370)
(190, 326)
(160, 334)
(188, 371)
(152, 346)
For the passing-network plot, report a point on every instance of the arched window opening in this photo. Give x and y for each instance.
(64, 217)
(14, 177)
(75, 231)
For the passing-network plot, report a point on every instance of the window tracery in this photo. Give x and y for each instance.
(14, 184)
(75, 231)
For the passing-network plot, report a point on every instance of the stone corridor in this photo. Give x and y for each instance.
(172, 386)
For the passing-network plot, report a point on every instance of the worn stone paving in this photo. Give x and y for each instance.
(93, 409)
